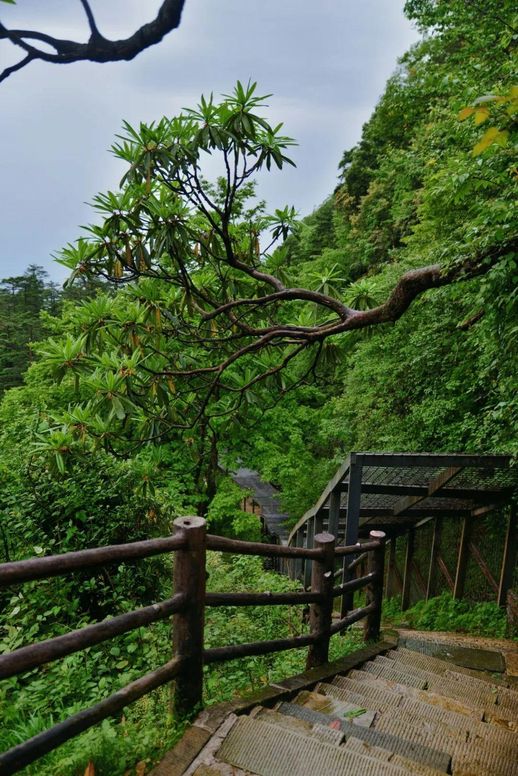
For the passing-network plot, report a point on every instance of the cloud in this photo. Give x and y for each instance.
(326, 69)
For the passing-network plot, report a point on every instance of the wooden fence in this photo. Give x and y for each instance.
(190, 543)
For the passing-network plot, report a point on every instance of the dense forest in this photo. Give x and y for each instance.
(112, 424)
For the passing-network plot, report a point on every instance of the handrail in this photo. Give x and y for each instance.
(187, 605)
(19, 756)
(25, 658)
(220, 654)
(223, 544)
(261, 599)
(56, 565)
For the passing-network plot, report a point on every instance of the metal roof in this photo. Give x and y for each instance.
(397, 490)
(268, 499)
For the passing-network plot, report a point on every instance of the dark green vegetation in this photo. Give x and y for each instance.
(118, 428)
(444, 613)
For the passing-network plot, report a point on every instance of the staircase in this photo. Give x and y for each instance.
(404, 712)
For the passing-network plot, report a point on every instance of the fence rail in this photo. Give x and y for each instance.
(190, 543)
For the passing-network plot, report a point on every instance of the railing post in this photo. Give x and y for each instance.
(320, 616)
(374, 591)
(189, 574)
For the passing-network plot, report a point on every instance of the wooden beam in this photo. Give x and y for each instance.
(409, 556)
(435, 459)
(391, 568)
(431, 587)
(462, 557)
(483, 566)
(445, 572)
(352, 522)
(389, 489)
(419, 577)
(434, 486)
(310, 535)
(334, 513)
(509, 557)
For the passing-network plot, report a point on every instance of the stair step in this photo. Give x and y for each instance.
(220, 769)
(466, 690)
(468, 657)
(436, 665)
(474, 757)
(416, 752)
(395, 674)
(373, 696)
(505, 697)
(363, 679)
(408, 766)
(438, 695)
(427, 706)
(345, 710)
(257, 747)
(304, 727)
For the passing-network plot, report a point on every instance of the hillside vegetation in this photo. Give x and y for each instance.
(92, 448)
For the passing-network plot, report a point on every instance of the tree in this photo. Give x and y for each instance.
(206, 311)
(97, 48)
(22, 299)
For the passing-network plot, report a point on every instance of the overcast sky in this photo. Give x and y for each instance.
(326, 64)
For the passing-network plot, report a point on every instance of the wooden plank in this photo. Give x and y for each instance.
(483, 565)
(462, 557)
(509, 557)
(409, 555)
(431, 587)
(445, 572)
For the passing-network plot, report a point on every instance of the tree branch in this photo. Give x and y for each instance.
(98, 48)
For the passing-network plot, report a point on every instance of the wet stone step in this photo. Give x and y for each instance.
(297, 725)
(445, 699)
(395, 674)
(413, 751)
(409, 766)
(478, 694)
(438, 666)
(257, 747)
(354, 710)
(468, 657)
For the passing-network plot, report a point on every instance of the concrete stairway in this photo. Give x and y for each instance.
(402, 713)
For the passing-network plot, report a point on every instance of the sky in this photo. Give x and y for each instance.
(326, 64)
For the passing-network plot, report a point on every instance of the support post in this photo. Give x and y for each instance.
(462, 558)
(431, 586)
(409, 556)
(509, 557)
(320, 615)
(189, 573)
(374, 590)
(310, 535)
(334, 513)
(352, 523)
(390, 589)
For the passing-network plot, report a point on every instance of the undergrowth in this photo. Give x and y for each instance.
(444, 613)
(130, 744)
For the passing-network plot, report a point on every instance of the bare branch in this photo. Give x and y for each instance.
(98, 48)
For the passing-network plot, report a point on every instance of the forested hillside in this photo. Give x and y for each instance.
(120, 426)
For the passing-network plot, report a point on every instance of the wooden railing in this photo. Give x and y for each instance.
(187, 607)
